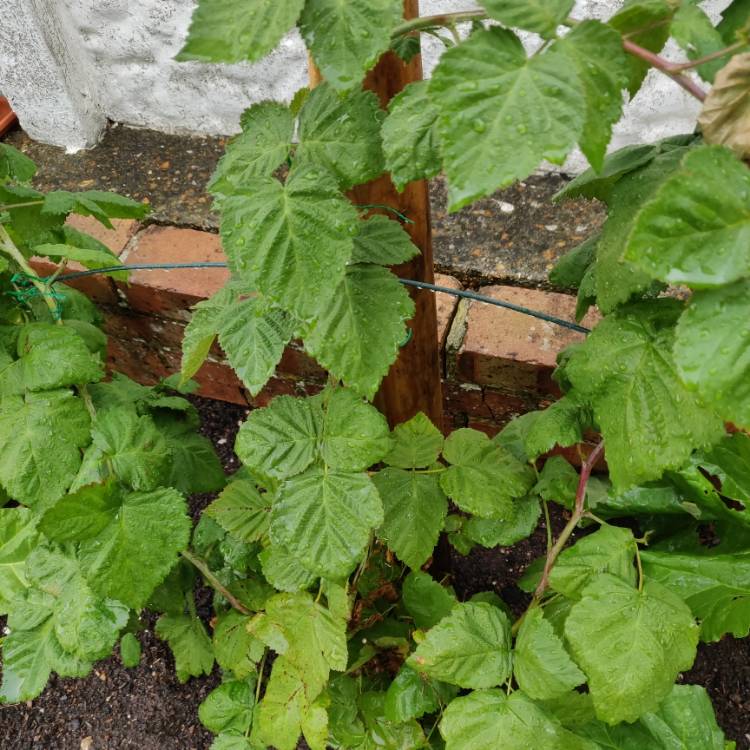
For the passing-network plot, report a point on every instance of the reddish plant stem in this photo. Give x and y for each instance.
(215, 583)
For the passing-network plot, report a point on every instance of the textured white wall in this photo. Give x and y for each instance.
(116, 56)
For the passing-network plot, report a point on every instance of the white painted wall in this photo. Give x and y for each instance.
(68, 64)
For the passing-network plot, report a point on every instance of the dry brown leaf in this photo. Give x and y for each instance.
(725, 119)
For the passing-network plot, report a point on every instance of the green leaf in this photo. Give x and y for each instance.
(712, 349)
(306, 634)
(416, 444)
(610, 550)
(49, 356)
(411, 695)
(734, 19)
(100, 204)
(18, 537)
(33, 429)
(291, 241)
(501, 114)
(242, 511)
(595, 53)
(540, 16)
(280, 440)
(490, 532)
(685, 719)
(342, 134)
(469, 648)
(346, 39)
(26, 667)
(236, 649)
(484, 719)
(15, 165)
(483, 478)
(631, 644)
(541, 665)
(359, 335)
(228, 708)
(381, 732)
(696, 228)
(715, 587)
(383, 241)
(190, 644)
(411, 143)
(558, 482)
(415, 510)
(284, 571)
(325, 519)
(427, 601)
(253, 337)
(570, 271)
(130, 651)
(729, 460)
(649, 420)
(195, 466)
(88, 257)
(128, 541)
(355, 435)
(238, 30)
(647, 24)
(694, 31)
(562, 423)
(262, 146)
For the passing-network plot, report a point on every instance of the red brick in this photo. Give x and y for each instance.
(115, 239)
(170, 294)
(512, 351)
(446, 305)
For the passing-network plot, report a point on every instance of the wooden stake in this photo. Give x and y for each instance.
(414, 382)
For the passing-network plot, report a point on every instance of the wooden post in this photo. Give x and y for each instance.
(414, 381)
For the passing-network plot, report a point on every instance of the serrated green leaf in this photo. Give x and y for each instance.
(130, 650)
(483, 478)
(469, 648)
(647, 24)
(649, 420)
(228, 708)
(415, 509)
(253, 337)
(262, 146)
(570, 270)
(88, 257)
(609, 550)
(715, 587)
(281, 440)
(631, 644)
(49, 356)
(234, 31)
(346, 39)
(284, 571)
(291, 241)
(15, 165)
(242, 511)
(558, 482)
(729, 461)
(383, 241)
(342, 134)
(595, 53)
(382, 733)
(694, 31)
(483, 719)
(127, 558)
(735, 18)
(195, 466)
(712, 349)
(490, 532)
(696, 228)
(542, 667)
(33, 429)
(236, 649)
(190, 644)
(562, 423)
(411, 695)
(540, 16)
(325, 518)
(416, 444)
(100, 204)
(26, 667)
(426, 600)
(18, 537)
(411, 143)
(358, 336)
(502, 113)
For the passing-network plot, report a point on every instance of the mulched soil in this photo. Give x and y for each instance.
(146, 708)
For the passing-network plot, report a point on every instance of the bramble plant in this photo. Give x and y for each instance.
(327, 623)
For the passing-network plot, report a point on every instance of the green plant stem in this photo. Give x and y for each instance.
(730, 50)
(578, 513)
(8, 247)
(215, 583)
(640, 566)
(548, 525)
(443, 19)
(27, 204)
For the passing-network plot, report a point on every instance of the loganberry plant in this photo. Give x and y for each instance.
(327, 624)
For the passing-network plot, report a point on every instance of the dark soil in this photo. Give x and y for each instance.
(146, 708)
